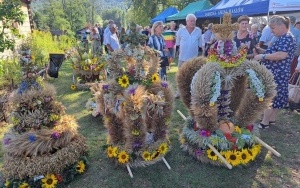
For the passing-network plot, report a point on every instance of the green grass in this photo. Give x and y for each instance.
(266, 171)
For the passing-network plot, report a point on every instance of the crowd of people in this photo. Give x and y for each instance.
(276, 45)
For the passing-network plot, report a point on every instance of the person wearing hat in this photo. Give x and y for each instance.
(296, 33)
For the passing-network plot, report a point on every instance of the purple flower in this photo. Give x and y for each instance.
(55, 135)
(199, 152)
(164, 84)
(203, 132)
(32, 138)
(131, 89)
(105, 87)
(6, 141)
(136, 144)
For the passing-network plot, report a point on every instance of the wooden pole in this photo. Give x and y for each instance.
(129, 171)
(166, 163)
(267, 146)
(211, 147)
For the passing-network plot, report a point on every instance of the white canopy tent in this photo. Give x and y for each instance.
(284, 5)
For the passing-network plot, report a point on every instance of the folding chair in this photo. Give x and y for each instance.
(55, 64)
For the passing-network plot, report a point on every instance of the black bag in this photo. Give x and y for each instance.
(164, 61)
(54, 64)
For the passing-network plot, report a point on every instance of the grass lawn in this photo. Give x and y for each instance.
(266, 171)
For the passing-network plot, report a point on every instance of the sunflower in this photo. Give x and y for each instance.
(163, 148)
(155, 78)
(146, 156)
(73, 87)
(80, 167)
(233, 158)
(211, 155)
(7, 183)
(123, 157)
(24, 185)
(245, 156)
(49, 181)
(123, 81)
(110, 152)
(255, 150)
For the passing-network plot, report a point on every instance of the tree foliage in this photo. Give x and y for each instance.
(10, 13)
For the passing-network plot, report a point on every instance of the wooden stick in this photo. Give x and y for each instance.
(166, 163)
(211, 147)
(129, 171)
(220, 156)
(267, 146)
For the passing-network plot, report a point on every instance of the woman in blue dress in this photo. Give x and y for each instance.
(277, 59)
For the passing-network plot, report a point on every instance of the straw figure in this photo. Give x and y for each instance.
(224, 94)
(136, 106)
(43, 147)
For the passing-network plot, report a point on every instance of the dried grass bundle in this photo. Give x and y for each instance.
(184, 78)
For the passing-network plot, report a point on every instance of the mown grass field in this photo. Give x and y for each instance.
(266, 171)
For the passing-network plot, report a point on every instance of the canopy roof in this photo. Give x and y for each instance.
(284, 5)
(237, 8)
(191, 9)
(164, 14)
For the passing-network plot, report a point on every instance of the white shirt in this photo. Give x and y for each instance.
(266, 36)
(113, 41)
(189, 43)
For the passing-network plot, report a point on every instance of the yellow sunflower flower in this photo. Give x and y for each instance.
(155, 78)
(211, 155)
(123, 157)
(115, 151)
(123, 81)
(80, 167)
(233, 158)
(237, 129)
(73, 87)
(24, 185)
(255, 150)
(110, 152)
(245, 156)
(7, 183)
(146, 156)
(49, 181)
(163, 148)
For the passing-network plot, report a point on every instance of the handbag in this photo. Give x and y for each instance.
(294, 88)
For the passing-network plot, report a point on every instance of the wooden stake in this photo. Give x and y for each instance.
(220, 156)
(129, 171)
(212, 147)
(166, 163)
(267, 146)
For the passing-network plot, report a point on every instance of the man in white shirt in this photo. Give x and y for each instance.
(111, 40)
(189, 40)
(266, 37)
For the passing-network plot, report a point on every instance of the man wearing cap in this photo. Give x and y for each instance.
(296, 34)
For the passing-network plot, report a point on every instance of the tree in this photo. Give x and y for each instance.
(10, 13)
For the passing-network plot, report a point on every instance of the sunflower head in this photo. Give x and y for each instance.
(146, 156)
(73, 87)
(155, 78)
(211, 155)
(123, 81)
(123, 157)
(80, 167)
(24, 185)
(245, 156)
(49, 181)
(163, 148)
(233, 157)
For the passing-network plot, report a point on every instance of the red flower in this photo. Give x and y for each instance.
(59, 178)
(208, 133)
(249, 127)
(234, 147)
